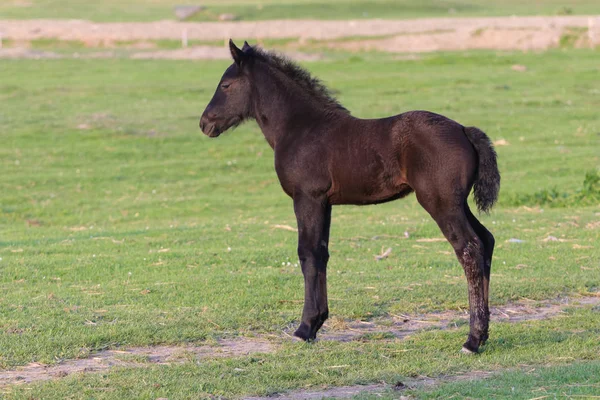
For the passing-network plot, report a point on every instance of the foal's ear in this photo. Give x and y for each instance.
(246, 47)
(237, 54)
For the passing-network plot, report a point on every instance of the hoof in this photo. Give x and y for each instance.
(473, 344)
(300, 340)
(304, 333)
(297, 339)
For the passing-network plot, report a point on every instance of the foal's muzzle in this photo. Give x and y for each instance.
(209, 128)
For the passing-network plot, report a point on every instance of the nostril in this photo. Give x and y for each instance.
(212, 115)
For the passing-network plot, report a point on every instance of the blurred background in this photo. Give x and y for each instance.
(170, 29)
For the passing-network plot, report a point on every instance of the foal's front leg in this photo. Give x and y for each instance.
(314, 218)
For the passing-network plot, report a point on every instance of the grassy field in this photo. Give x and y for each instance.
(141, 10)
(122, 225)
(580, 380)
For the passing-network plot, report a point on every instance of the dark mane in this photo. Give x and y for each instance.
(300, 76)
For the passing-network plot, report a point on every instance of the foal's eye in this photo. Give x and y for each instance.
(225, 85)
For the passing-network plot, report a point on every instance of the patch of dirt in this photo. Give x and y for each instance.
(106, 359)
(210, 53)
(593, 225)
(27, 53)
(309, 29)
(23, 52)
(403, 326)
(418, 35)
(461, 39)
(343, 392)
(190, 53)
(336, 392)
(398, 327)
(20, 3)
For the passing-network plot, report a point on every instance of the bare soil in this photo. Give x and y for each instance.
(278, 29)
(190, 53)
(134, 357)
(403, 326)
(22, 52)
(350, 391)
(210, 53)
(398, 326)
(462, 39)
(418, 35)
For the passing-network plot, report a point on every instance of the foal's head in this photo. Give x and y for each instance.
(242, 82)
(231, 103)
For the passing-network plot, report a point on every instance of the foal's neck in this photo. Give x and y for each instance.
(281, 107)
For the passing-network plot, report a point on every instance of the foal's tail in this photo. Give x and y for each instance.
(487, 183)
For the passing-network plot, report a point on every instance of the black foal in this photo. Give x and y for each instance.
(324, 157)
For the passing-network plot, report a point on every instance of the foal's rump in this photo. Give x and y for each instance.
(443, 158)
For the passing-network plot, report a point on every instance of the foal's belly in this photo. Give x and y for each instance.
(383, 197)
(365, 168)
(367, 191)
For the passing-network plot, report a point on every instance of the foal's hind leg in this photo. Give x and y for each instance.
(488, 246)
(314, 218)
(452, 220)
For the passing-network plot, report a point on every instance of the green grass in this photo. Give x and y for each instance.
(576, 380)
(588, 194)
(122, 225)
(324, 364)
(66, 46)
(571, 36)
(139, 10)
(579, 380)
